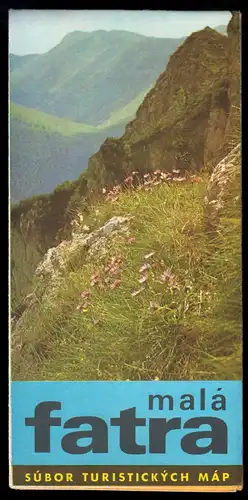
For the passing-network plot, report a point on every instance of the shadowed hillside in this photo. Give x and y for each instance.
(45, 152)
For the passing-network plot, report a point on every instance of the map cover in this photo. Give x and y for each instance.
(125, 269)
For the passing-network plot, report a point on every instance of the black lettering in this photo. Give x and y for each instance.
(42, 423)
(160, 401)
(218, 435)
(98, 434)
(188, 403)
(128, 423)
(158, 429)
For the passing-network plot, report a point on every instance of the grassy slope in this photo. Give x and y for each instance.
(62, 126)
(126, 113)
(51, 123)
(194, 331)
(24, 259)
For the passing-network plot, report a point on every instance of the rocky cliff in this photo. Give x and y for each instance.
(223, 197)
(232, 131)
(187, 120)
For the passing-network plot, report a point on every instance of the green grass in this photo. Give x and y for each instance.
(127, 112)
(65, 127)
(190, 330)
(24, 259)
(50, 123)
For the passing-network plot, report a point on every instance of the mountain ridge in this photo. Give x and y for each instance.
(70, 79)
(221, 28)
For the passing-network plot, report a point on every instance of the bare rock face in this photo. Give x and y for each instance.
(224, 119)
(232, 132)
(41, 217)
(224, 186)
(57, 258)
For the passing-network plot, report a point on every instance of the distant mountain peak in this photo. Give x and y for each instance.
(75, 35)
(221, 29)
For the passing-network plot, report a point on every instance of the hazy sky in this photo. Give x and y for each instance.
(36, 31)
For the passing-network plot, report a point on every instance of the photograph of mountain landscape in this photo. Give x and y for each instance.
(125, 195)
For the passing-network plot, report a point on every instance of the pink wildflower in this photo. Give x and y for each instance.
(143, 279)
(148, 255)
(164, 175)
(132, 239)
(114, 269)
(179, 179)
(95, 275)
(166, 276)
(115, 284)
(144, 267)
(136, 292)
(85, 294)
(128, 180)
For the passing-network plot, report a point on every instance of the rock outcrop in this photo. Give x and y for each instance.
(56, 263)
(224, 188)
(232, 132)
(58, 258)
